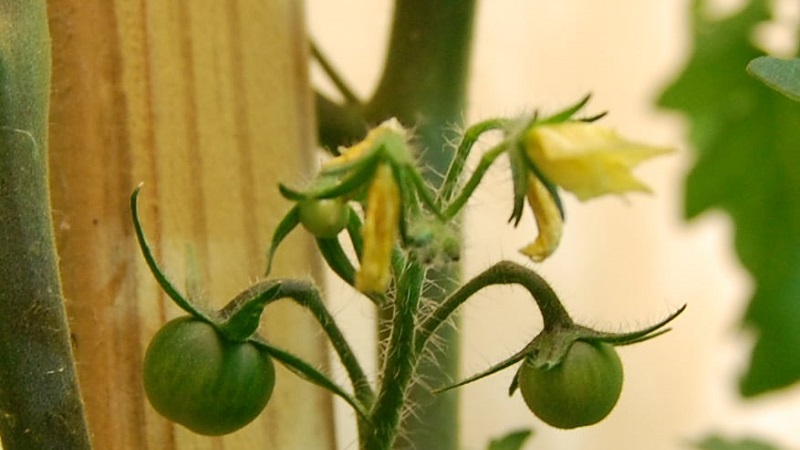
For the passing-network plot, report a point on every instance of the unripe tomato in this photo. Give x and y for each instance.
(210, 385)
(580, 391)
(324, 217)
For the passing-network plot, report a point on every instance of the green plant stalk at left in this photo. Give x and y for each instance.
(40, 403)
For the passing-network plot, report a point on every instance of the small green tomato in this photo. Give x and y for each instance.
(210, 385)
(324, 217)
(580, 391)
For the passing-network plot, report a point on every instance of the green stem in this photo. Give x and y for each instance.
(307, 296)
(333, 75)
(40, 403)
(504, 272)
(462, 152)
(424, 79)
(338, 124)
(486, 161)
(399, 363)
(423, 85)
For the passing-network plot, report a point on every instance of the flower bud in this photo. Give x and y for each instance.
(379, 231)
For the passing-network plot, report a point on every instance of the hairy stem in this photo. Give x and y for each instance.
(40, 403)
(454, 172)
(504, 272)
(423, 85)
(306, 295)
(399, 363)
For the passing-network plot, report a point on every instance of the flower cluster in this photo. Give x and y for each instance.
(400, 212)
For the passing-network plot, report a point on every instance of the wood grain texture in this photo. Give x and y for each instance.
(207, 103)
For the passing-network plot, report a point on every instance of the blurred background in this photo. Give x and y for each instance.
(623, 262)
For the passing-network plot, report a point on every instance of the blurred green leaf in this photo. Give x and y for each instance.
(718, 443)
(782, 75)
(747, 139)
(511, 441)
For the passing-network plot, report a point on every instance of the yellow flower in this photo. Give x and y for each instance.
(379, 231)
(586, 159)
(548, 221)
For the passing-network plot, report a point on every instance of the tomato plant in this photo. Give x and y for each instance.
(197, 378)
(579, 391)
(324, 217)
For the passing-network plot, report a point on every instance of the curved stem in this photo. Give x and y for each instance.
(504, 272)
(462, 152)
(307, 296)
(334, 76)
(486, 161)
(338, 124)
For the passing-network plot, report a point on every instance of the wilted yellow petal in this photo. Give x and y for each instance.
(586, 159)
(379, 231)
(349, 154)
(548, 221)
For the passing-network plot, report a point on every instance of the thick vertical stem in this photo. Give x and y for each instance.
(424, 85)
(399, 363)
(40, 404)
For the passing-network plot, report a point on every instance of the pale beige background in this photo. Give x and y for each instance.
(622, 263)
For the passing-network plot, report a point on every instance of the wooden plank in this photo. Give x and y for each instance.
(207, 103)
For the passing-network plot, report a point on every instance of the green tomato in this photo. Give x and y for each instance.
(579, 391)
(324, 217)
(210, 385)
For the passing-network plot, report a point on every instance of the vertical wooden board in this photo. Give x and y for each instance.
(207, 103)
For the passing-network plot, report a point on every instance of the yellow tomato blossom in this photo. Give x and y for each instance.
(548, 221)
(587, 159)
(379, 231)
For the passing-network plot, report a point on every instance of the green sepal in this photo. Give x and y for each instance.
(517, 357)
(177, 297)
(328, 186)
(568, 112)
(593, 118)
(240, 319)
(334, 255)
(289, 222)
(291, 194)
(519, 178)
(307, 372)
(340, 187)
(511, 441)
(549, 185)
(370, 158)
(354, 232)
(632, 337)
(408, 202)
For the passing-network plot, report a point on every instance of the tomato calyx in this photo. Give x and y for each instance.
(551, 345)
